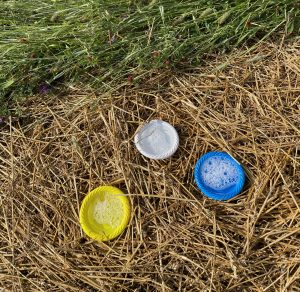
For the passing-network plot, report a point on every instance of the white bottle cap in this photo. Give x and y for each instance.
(157, 140)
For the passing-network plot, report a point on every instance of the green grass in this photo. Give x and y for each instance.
(101, 43)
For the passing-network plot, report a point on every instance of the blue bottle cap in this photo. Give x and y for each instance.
(219, 176)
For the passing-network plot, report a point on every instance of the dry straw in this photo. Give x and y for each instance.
(177, 240)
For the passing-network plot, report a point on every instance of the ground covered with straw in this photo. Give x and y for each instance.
(177, 240)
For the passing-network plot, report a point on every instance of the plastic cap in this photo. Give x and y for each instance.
(104, 213)
(219, 176)
(157, 140)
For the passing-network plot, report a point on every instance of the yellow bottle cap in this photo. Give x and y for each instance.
(104, 213)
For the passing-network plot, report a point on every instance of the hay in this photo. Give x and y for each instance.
(177, 240)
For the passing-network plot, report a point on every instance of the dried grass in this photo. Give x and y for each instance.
(177, 240)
